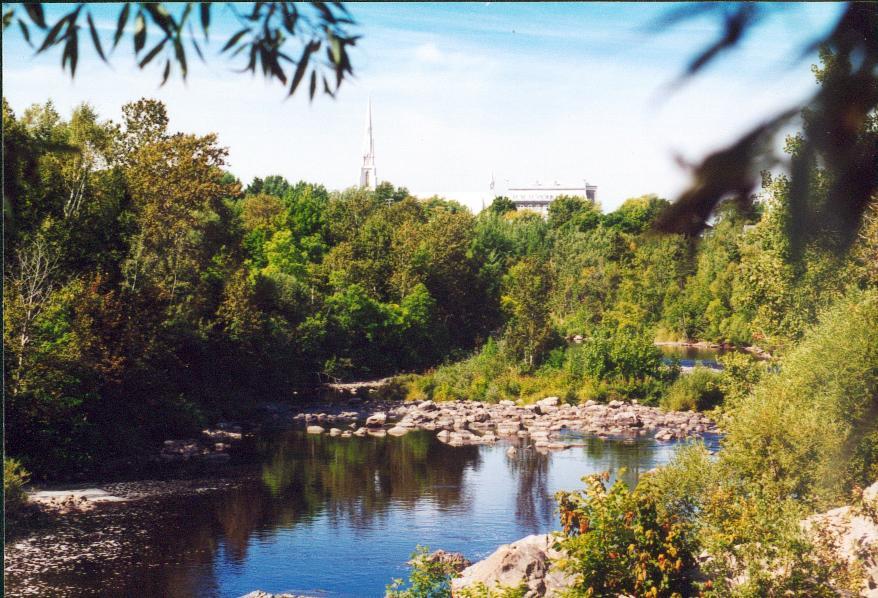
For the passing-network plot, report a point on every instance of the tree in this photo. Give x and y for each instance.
(528, 330)
(262, 38)
(576, 212)
(26, 293)
(176, 188)
(500, 205)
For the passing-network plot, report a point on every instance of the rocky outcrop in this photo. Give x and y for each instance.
(527, 561)
(850, 535)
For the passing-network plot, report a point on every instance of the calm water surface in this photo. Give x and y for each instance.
(339, 517)
(691, 356)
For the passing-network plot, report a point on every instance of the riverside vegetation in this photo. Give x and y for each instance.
(147, 292)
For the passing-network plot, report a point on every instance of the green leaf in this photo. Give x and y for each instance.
(53, 34)
(139, 33)
(235, 39)
(181, 57)
(167, 71)
(153, 53)
(205, 18)
(310, 48)
(195, 44)
(335, 49)
(120, 25)
(73, 42)
(35, 12)
(95, 38)
(25, 32)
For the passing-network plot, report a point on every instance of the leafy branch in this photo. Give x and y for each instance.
(840, 130)
(266, 38)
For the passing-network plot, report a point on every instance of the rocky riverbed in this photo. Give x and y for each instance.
(543, 424)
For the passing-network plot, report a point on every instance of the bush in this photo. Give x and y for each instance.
(806, 431)
(625, 362)
(619, 542)
(741, 372)
(696, 391)
(429, 578)
(14, 478)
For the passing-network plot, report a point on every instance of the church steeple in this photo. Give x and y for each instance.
(367, 170)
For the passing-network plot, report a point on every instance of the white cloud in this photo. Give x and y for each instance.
(429, 52)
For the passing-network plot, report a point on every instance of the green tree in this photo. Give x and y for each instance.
(528, 329)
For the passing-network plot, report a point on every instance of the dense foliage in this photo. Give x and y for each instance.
(618, 542)
(147, 290)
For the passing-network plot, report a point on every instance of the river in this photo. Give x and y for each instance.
(314, 515)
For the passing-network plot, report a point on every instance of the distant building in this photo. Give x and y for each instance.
(538, 196)
(368, 176)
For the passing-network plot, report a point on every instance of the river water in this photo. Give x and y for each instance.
(692, 356)
(319, 516)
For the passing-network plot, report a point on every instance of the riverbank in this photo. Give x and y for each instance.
(102, 530)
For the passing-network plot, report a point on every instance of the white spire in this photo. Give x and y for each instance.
(367, 170)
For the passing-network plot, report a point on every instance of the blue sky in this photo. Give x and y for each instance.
(525, 91)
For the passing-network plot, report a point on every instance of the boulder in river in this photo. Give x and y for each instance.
(376, 420)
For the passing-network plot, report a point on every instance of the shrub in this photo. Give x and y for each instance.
(624, 361)
(697, 391)
(429, 578)
(14, 478)
(619, 542)
(806, 431)
(741, 372)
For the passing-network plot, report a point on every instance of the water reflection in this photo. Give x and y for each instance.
(359, 478)
(315, 514)
(533, 501)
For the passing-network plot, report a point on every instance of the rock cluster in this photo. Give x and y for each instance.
(213, 446)
(460, 423)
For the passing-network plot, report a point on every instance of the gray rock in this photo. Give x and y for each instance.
(527, 561)
(851, 532)
(455, 561)
(549, 402)
(376, 420)
(315, 430)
